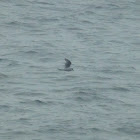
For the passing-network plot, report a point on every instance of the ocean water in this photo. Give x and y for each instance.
(99, 100)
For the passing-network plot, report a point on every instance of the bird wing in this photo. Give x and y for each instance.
(68, 63)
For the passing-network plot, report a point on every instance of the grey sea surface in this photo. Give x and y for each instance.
(99, 100)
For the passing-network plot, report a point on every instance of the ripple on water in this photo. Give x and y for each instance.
(40, 102)
(32, 94)
(13, 64)
(44, 3)
(33, 102)
(122, 89)
(3, 76)
(4, 107)
(131, 128)
(86, 96)
(31, 52)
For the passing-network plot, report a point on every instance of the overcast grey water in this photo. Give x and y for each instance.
(99, 100)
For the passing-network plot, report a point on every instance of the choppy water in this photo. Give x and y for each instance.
(99, 100)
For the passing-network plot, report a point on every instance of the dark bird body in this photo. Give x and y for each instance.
(68, 63)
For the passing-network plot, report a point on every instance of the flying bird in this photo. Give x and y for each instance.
(67, 66)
